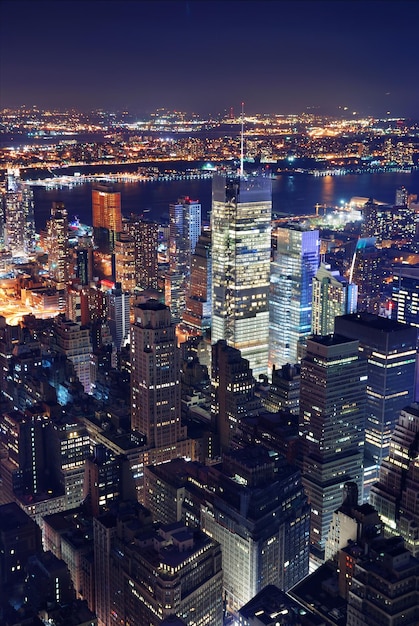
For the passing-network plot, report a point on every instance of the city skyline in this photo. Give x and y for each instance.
(208, 56)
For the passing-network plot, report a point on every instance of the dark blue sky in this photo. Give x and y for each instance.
(207, 56)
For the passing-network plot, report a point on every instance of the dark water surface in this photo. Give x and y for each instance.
(296, 195)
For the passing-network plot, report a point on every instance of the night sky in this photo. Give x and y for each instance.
(207, 56)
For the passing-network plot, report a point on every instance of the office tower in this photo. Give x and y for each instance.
(124, 261)
(254, 505)
(84, 264)
(402, 196)
(351, 522)
(385, 587)
(197, 314)
(106, 480)
(295, 262)
(73, 341)
(184, 230)
(68, 448)
(395, 495)
(284, 391)
(145, 572)
(118, 307)
(20, 537)
(145, 235)
(241, 250)
(155, 375)
(366, 273)
(390, 350)
(77, 303)
(57, 245)
(405, 294)
(232, 391)
(377, 221)
(332, 412)
(106, 216)
(23, 464)
(332, 296)
(19, 216)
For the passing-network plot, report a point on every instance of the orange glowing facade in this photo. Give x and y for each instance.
(106, 208)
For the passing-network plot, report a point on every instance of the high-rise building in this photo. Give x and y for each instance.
(366, 273)
(19, 216)
(390, 350)
(197, 314)
(377, 221)
(395, 495)
(332, 296)
(385, 586)
(84, 264)
(405, 294)
(232, 391)
(332, 412)
(124, 262)
(255, 507)
(155, 375)
(74, 342)
(145, 235)
(144, 574)
(57, 241)
(241, 250)
(106, 216)
(184, 230)
(118, 308)
(295, 262)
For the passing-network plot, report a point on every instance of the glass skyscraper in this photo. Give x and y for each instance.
(241, 250)
(295, 262)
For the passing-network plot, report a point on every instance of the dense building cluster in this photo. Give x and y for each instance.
(219, 430)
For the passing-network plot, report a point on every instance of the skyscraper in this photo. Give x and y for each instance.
(333, 295)
(118, 307)
(57, 238)
(366, 273)
(155, 375)
(197, 314)
(332, 409)
(184, 230)
(296, 259)
(405, 294)
(241, 250)
(145, 235)
(106, 216)
(395, 495)
(390, 350)
(19, 216)
(232, 391)
(124, 261)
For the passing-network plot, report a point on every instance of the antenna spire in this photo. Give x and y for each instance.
(242, 144)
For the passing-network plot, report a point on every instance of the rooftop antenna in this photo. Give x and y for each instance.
(242, 144)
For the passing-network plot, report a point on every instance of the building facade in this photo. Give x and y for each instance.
(241, 250)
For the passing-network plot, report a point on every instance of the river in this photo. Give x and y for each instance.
(292, 194)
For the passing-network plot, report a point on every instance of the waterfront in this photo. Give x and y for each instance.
(292, 194)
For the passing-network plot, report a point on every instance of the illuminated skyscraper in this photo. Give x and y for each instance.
(19, 216)
(124, 260)
(395, 495)
(118, 305)
(296, 259)
(197, 314)
(155, 375)
(332, 413)
(74, 342)
(57, 241)
(145, 235)
(332, 296)
(184, 230)
(390, 350)
(366, 273)
(107, 217)
(405, 294)
(241, 250)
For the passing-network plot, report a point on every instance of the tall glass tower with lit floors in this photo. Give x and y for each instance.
(241, 250)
